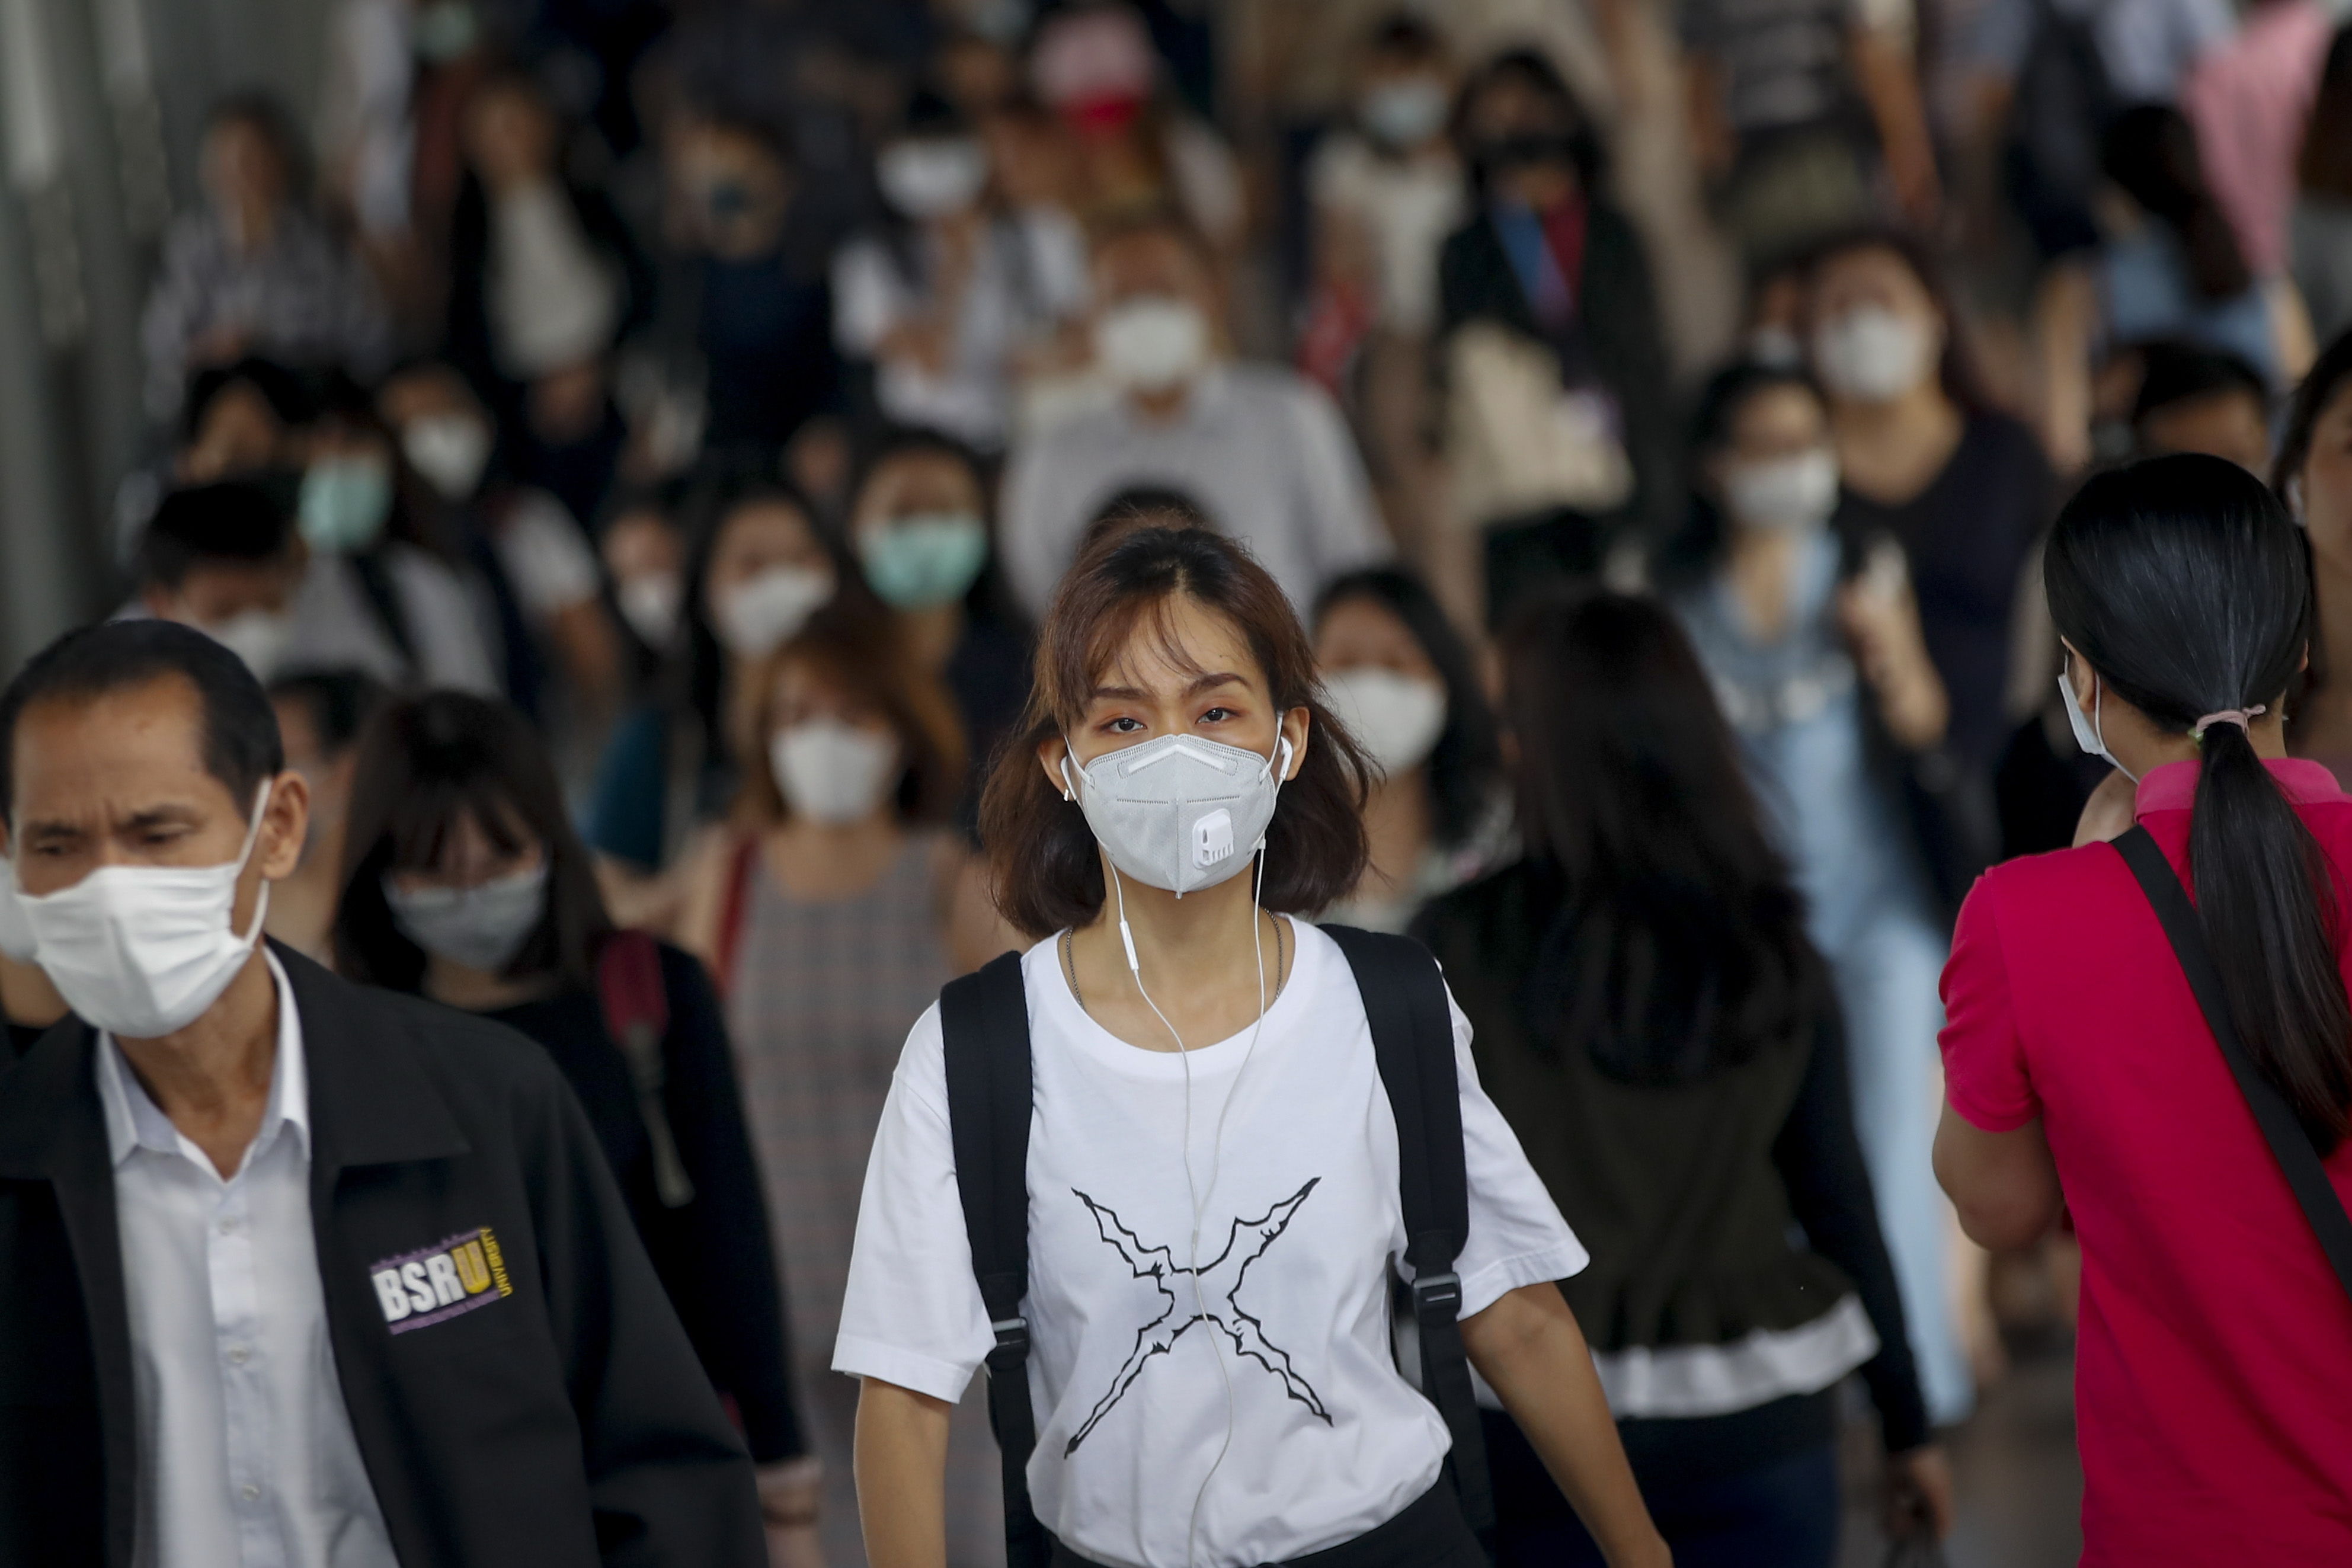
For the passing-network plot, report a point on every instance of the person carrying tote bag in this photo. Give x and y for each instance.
(2153, 1033)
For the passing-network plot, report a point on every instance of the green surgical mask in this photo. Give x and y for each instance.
(925, 559)
(344, 504)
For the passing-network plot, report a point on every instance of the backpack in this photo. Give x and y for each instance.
(984, 1017)
(635, 1005)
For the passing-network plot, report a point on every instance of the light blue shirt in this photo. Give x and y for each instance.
(246, 1453)
(1795, 701)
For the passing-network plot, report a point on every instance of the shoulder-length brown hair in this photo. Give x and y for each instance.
(861, 652)
(1042, 856)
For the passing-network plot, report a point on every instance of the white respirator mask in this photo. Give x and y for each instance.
(482, 927)
(1177, 813)
(1396, 719)
(142, 950)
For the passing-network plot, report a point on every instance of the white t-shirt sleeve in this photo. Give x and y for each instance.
(912, 1314)
(1517, 1235)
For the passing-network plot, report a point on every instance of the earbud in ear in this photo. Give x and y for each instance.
(1281, 768)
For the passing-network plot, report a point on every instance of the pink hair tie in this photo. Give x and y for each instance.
(2241, 717)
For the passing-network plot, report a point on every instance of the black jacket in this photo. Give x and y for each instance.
(1616, 332)
(564, 1423)
(712, 1253)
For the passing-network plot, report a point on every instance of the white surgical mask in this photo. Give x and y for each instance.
(1151, 343)
(142, 950)
(1798, 491)
(832, 773)
(933, 178)
(650, 602)
(260, 637)
(759, 616)
(482, 927)
(450, 450)
(1406, 112)
(1871, 354)
(2090, 733)
(16, 932)
(1180, 813)
(1395, 718)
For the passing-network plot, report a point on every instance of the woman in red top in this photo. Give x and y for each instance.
(2214, 1370)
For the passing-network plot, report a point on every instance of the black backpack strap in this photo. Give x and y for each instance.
(1412, 1036)
(984, 1019)
(2290, 1145)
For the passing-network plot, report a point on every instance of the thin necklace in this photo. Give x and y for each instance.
(1281, 965)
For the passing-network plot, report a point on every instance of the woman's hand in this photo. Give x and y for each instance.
(1528, 1347)
(789, 1496)
(1918, 1493)
(1880, 617)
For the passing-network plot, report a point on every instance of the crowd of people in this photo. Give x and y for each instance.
(709, 492)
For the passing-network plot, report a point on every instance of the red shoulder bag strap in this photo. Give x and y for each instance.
(635, 1005)
(735, 910)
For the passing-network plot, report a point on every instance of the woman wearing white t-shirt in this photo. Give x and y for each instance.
(1251, 1183)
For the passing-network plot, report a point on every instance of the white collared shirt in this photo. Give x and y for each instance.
(246, 1452)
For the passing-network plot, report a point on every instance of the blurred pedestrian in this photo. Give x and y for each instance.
(2194, 399)
(2314, 478)
(1399, 678)
(1559, 430)
(1266, 452)
(2320, 224)
(921, 530)
(251, 271)
(1659, 1031)
(1139, 150)
(223, 558)
(2251, 101)
(1820, 664)
(759, 568)
(1924, 461)
(370, 1292)
(1386, 188)
(823, 912)
(545, 281)
(462, 881)
(2086, 1066)
(938, 308)
(319, 715)
(763, 312)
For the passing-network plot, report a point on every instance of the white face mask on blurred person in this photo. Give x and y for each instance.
(650, 604)
(1798, 491)
(1406, 111)
(1872, 355)
(1775, 347)
(141, 951)
(1151, 343)
(759, 616)
(832, 773)
(1395, 718)
(482, 927)
(260, 637)
(932, 177)
(450, 450)
(15, 931)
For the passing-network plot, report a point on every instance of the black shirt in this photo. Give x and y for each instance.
(1968, 535)
(712, 1254)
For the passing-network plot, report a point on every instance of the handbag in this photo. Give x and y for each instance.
(2297, 1160)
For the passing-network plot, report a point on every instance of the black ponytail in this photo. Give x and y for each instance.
(2183, 583)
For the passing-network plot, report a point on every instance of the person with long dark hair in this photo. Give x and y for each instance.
(464, 881)
(1200, 1062)
(2081, 1070)
(1404, 683)
(1667, 1042)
